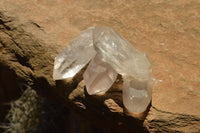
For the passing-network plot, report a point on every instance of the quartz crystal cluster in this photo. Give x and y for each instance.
(108, 55)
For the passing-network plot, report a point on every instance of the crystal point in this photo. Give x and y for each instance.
(75, 56)
(111, 54)
(133, 65)
(136, 94)
(99, 76)
(120, 54)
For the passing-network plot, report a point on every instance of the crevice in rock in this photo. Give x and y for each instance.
(3, 23)
(37, 25)
(2, 44)
(4, 20)
(168, 121)
(183, 115)
(22, 60)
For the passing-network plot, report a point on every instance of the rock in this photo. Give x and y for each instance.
(31, 36)
(171, 122)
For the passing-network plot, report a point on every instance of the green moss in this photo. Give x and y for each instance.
(23, 114)
(183, 79)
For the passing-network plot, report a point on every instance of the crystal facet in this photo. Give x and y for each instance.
(111, 54)
(75, 56)
(99, 76)
(120, 54)
(136, 94)
(133, 65)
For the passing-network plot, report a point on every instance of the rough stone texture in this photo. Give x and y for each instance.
(33, 32)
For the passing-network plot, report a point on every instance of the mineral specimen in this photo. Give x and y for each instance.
(75, 56)
(99, 76)
(111, 54)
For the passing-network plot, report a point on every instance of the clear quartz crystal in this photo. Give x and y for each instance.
(120, 54)
(133, 65)
(99, 76)
(136, 94)
(114, 54)
(75, 56)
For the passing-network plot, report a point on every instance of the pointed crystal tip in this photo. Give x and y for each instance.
(99, 76)
(111, 54)
(75, 56)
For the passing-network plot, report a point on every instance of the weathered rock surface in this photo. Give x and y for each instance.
(32, 33)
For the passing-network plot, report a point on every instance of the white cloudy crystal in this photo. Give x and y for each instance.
(114, 54)
(136, 94)
(133, 65)
(120, 54)
(75, 56)
(99, 76)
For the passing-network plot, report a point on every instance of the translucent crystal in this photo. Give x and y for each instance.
(136, 94)
(75, 56)
(120, 54)
(133, 65)
(114, 54)
(99, 76)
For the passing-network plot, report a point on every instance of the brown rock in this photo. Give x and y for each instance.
(33, 32)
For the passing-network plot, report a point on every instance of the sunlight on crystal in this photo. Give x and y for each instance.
(99, 76)
(61, 59)
(110, 55)
(56, 66)
(134, 93)
(72, 72)
(59, 62)
(75, 56)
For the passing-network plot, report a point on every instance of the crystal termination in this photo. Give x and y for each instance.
(109, 54)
